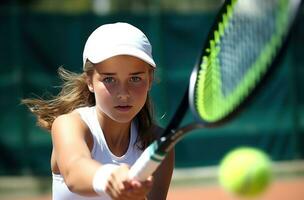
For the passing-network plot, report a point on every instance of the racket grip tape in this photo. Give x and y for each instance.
(147, 163)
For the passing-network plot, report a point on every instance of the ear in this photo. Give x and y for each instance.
(90, 83)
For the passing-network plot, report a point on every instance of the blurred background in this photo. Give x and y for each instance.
(38, 36)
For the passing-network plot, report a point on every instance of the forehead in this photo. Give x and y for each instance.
(122, 63)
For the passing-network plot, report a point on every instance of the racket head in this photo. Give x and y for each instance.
(241, 51)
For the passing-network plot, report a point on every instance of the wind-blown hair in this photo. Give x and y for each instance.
(75, 94)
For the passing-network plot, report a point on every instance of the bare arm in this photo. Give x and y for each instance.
(72, 154)
(75, 164)
(162, 178)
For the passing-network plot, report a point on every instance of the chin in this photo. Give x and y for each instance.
(123, 119)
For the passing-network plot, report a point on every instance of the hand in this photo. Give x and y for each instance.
(139, 190)
(120, 187)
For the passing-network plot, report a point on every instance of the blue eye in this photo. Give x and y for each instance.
(135, 79)
(109, 80)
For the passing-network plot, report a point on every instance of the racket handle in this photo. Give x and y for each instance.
(147, 163)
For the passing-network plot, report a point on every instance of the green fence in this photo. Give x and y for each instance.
(33, 46)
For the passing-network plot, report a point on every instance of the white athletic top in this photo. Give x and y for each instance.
(100, 152)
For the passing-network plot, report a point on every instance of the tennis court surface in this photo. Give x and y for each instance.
(190, 183)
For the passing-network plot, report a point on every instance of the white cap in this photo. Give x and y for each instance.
(117, 39)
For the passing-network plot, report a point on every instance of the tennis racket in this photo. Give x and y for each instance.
(241, 51)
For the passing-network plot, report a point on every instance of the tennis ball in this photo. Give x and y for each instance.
(245, 172)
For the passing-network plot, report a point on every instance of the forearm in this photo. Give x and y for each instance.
(162, 178)
(79, 176)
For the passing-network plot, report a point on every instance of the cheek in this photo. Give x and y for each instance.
(140, 90)
(102, 95)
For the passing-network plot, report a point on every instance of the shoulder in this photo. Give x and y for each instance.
(69, 117)
(70, 122)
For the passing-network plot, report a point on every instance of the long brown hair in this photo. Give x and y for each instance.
(75, 94)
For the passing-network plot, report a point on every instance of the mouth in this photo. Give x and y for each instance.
(123, 108)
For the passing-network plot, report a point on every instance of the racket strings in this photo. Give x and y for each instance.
(247, 39)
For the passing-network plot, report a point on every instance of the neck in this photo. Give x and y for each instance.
(117, 134)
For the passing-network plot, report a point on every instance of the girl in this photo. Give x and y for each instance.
(101, 121)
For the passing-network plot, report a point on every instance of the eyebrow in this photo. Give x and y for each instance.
(112, 74)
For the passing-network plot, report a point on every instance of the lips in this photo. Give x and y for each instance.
(123, 108)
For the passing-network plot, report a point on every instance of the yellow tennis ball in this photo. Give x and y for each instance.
(245, 171)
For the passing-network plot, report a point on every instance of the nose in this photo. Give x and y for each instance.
(123, 93)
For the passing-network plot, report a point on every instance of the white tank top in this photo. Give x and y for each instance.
(100, 152)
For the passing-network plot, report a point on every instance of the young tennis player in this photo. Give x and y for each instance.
(101, 121)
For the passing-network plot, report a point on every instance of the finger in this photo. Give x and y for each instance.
(150, 178)
(121, 175)
(119, 184)
(142, 190)
(114, 185)
(149, 181)
(127, 185)
(138, 184)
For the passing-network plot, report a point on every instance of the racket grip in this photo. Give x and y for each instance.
(146, 164)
